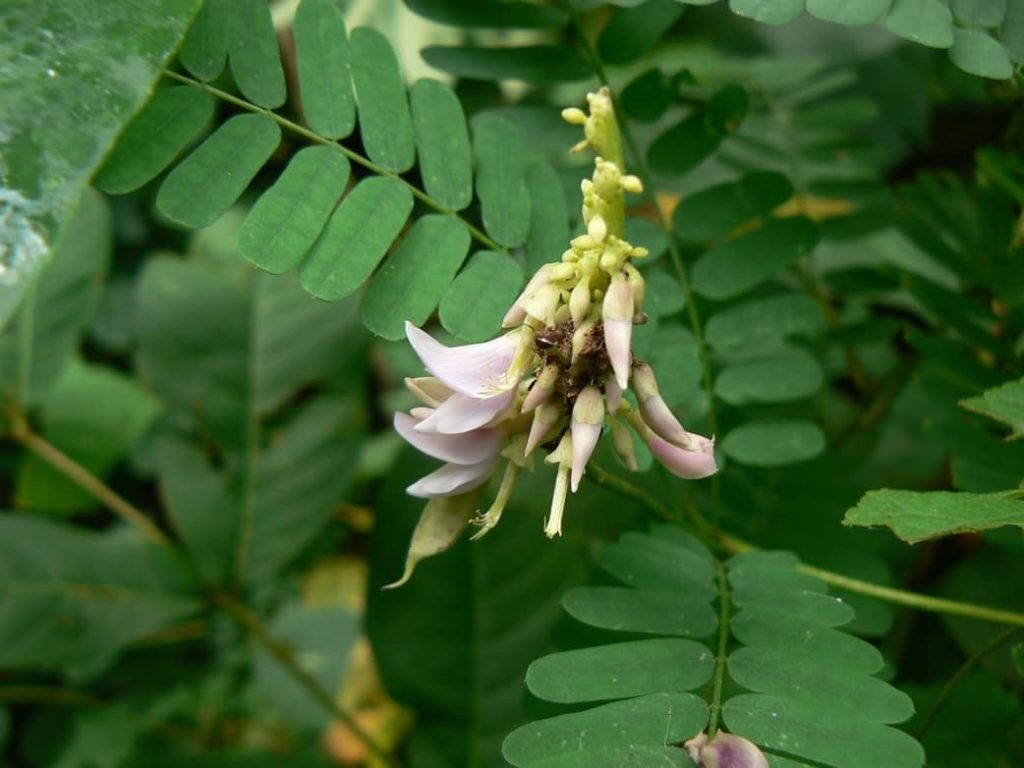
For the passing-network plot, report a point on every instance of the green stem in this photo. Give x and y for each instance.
(355, 157)
(993, 645)
(675, 254)
(283, 653)
(86, 480)
(733, 545)
(723, 644)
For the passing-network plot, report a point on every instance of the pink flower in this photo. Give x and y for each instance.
(725, 750)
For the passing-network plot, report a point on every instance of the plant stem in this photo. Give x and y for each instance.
(283, 653)
(993, 645)
(86, 480)
(734, 545)
(675, 255)
(355, 157)
(723, 644)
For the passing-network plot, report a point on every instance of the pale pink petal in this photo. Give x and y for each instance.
(726, 750)
(659, 417)
(584, 440)
(477, 370)
(465, 448)
(452, 479)
(690, 465)
(461, 413)
(617, 337)
(537, 395)
(421, 412)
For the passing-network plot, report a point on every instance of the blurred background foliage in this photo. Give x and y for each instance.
(202, 491)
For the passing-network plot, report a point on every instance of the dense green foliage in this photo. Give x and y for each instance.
(216, 218)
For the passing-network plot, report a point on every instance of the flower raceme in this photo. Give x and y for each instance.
(554, 379)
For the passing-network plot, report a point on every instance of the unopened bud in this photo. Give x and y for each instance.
(587, 418)
(636, 283)
(725, 750)
(584, 243)
(632, 184)
(655, 411)
(617, 311)
(542, 303)
(562, 456)
(579, 301)
(579, 338)
(574, 115)
(597, 228)
(542, 388)
(622, 441)
(545, 417)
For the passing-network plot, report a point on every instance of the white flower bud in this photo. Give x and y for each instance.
(574, 115)
(579, 301)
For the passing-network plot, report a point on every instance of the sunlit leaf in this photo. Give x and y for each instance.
(322, 55)
(385, 123)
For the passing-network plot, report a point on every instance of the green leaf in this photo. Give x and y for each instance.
(440, 526)
(475, 303)
(254, 55)
(774, 443)
(662, 294)
(648, 97)
(689, 142)
(675, 358)
(620, 670)
(385, 123)
(775, 12)
(928, 22)
(979, 13)
(286, 221)
(534, 64)
(976, 52)
(59, 114)
(584, 740)
(205, 48)
(764, 321)
(35, 347)
(916, 517)
(851, 13)
(94, 415)
(488, 14)
(322, 56)
(836, 740)
(549, 220)
(501, 180)
(714, 212)
(633, 32)
(789, 375)
(1012, 36)
(446, 161)
(644, 611)
(356, 238)
(83, 596)
(209, 181)
(158, 134)
(1004, 403)
(414, 277)
(743, 263)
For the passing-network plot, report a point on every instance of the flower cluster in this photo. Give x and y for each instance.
(556, 378)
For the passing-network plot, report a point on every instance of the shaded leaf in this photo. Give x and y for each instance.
(689, 142)
(549, 220)
(790, 375)
(534, 64)
(487, 14)
(774, 12)
(205, 48)
(501, 180)
(446, 162)
(714, 212)
(765, 320)
(928, 22)
(633, 32)
(976, 52)
(853, 13)
(253, 52)
(475, 303)
(1004, 403)
(774, 443)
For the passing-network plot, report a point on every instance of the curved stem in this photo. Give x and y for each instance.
(355, 157)
(86, 480)
(734, 545)
(993, 645)
(283, 653)
(723, 644)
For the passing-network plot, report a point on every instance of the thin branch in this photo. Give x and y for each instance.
(723, 644)
(734, 545)
(283, 653)
(355, 157)
(972, 661)
(86, 480)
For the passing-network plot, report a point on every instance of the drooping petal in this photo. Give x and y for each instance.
(477, 370)
(461, 413)
(452, 479)
(439, 527)
(587, 418)
(689, 465)
(464, 448)
(659, 417)
(562, 455)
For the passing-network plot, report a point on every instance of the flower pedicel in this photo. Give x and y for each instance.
(553, 380)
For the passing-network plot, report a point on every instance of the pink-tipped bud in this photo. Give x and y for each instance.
(542, 388)
(587, 418)
(636, 284)
(617, 311)
(622, 440)
(655, 411)
(545, 417)
(689, 465)
(517, 312)
(725, 750)
(542, 303)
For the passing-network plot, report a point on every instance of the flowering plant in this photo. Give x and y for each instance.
(554, 380)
